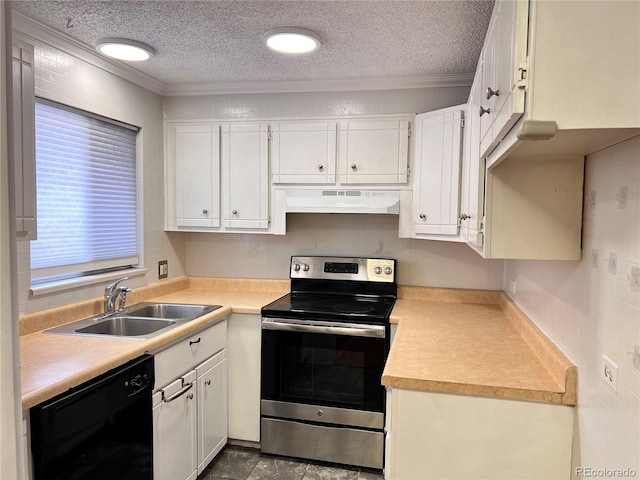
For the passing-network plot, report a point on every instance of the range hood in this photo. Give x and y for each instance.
(342, 201)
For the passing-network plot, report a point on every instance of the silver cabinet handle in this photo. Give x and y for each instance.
(484, 110)
(208, 382)
(234, 212)
(354, 167)
(491, 93)
(463, 216)
(423, 216)
(179, 393)
(320, 167)
(205, 211)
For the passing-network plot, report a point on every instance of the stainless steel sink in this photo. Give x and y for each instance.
(140, 321)
(173, 311)
(126, 326)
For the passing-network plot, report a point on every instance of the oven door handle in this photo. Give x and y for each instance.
(377, 331)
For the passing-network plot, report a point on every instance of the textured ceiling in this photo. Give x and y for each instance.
(203, 42)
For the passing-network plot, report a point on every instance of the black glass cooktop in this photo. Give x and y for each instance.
(346, 308)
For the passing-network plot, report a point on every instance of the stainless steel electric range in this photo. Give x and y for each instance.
(324, 346)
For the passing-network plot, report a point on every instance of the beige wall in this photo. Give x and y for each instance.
(420, 262)
(588, 310)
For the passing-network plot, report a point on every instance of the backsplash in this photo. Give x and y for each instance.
(590, 308)
(420, 262)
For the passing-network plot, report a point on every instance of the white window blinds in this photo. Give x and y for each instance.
(86, 194)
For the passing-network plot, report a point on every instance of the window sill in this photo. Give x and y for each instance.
(73, 283)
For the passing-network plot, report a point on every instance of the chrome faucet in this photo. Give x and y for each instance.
(111, 294)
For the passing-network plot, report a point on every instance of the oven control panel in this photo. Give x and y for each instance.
(380, 270)
(341, 268)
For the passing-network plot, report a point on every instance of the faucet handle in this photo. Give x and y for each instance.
(112, 287)
(123, 296)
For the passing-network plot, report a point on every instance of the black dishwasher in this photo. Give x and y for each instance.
(101, 429)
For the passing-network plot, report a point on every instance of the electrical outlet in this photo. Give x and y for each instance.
(609, 373)
(594, 258)
(513, 287)
(163, 269)
(592, 199)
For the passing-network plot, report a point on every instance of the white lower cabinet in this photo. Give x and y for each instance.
(174, 430)
(212, 408)
(443, 436)
(190, 412)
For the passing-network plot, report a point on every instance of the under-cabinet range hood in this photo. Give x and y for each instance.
(342, 201)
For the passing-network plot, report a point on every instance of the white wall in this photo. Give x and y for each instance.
(588, 311)
(11, 453)
(320, 104)
(68, 79)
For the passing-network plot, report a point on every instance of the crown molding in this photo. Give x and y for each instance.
(84, 52)
(217, 88)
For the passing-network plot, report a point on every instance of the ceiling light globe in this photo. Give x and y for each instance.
(124, 49)
(292, 40)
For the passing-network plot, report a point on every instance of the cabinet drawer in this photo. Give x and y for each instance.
(189, 352)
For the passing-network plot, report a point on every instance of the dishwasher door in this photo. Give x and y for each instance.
(101, 429)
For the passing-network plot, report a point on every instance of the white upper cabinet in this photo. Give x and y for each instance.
(559, 91)
(472, 177)
(373, 152)
(503, 66)
(245, 177)
(193, 171)
(436, 181)
(304, 153)
(24, 153)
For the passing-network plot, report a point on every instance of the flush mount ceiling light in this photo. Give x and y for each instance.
(124, 49)
(292, 40)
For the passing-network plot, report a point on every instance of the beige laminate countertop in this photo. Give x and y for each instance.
(486, 347)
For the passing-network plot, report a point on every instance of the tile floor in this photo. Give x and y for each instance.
(240, 463)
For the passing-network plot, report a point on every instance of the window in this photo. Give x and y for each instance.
(86, 194)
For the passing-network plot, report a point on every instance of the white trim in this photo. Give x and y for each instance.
(83, 52)
(218, 88)
(73, 283)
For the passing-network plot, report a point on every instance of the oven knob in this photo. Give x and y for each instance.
(388, 270)
(305, 267)
(377, 270)
(296, 267)
(320, 413)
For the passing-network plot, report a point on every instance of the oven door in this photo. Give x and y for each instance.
(323, 364)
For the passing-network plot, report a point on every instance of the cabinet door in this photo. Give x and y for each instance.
(472, 183)
(174, 431)
(374, 151)
(510, 54)
(194, 155)
(245, 157)
(504, 55)
(212, 409)
(304, 153)
(24, 154)
(437, 176)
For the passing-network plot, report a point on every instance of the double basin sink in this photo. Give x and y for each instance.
(142, 321)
